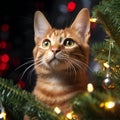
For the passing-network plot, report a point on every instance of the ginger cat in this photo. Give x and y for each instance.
(61, 60)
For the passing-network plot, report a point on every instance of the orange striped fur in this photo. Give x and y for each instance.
(61, 60)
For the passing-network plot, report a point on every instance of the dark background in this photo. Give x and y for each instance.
(17, 35)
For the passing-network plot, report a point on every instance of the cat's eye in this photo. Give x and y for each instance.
(68, 42)
(46, 43)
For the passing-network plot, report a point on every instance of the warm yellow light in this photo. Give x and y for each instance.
(57, 110)
(102, 104)
(69, 115)
(90, 87)
(106, 65)
(93, 19)
(109, 104)
(3, 115)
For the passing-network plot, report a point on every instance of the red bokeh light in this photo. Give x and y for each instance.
(5, 58)
(5, 27)
(3, 66)
(3, 44)
(21, 84)
(71, 6)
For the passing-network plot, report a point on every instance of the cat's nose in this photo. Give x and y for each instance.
(55, 50)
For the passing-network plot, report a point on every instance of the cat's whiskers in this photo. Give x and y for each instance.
(40, 62)
(81, 56)
(82, 65)
(29, 67)
(79, 64)
(23, 65)
(28, 62)
(73, 68)
(37, 63)
(67, 59)
(31, 71)
(75, 63)
(26, 70)
(62, 57)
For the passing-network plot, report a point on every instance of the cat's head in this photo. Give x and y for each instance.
(64, 49)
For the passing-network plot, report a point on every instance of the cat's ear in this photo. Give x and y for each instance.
(41, 25)
(82, 24)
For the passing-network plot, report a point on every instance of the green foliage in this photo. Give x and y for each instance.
(100, 52)
(87, 105)
(90, 106)
(20, 102)
(93, 106)
(108, 15)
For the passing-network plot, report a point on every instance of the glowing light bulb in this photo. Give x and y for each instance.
(106, 65)
(90, 87)
(93, 19)
(109, 104)
(69, 115)
(3, 115)
(102, 104)
(57, 110)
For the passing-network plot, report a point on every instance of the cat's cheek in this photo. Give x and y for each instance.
(48, 56)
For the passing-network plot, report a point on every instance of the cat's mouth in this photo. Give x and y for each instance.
(54, 61)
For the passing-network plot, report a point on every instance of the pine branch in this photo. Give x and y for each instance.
(94, 106)
(108, 16)
(21, 102)
(100, 52)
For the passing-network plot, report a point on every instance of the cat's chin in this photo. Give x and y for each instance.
(55, 65)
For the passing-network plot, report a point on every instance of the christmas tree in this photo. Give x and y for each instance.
(101, 99)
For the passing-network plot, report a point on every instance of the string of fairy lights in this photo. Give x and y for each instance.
(90, 88)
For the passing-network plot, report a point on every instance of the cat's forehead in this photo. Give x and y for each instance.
(58, 34)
